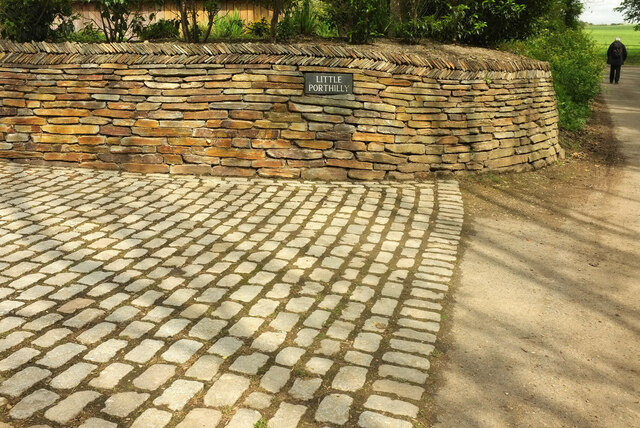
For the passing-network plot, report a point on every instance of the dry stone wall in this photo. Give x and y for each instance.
(240, 110)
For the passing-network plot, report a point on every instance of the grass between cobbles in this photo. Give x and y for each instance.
(604, 35)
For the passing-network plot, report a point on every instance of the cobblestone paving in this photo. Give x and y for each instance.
(147, 301)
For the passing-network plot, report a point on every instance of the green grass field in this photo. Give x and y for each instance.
(604, 35)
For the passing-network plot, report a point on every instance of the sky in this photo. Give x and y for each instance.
(601, 12)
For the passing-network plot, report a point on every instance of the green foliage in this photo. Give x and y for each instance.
(163, 29)
(458, 23)
(27, 20)
(258, 29)
(230, 26)
(119, 19)
(189, 10)
(261, 423)
(286, 27)
(492, 21)
(278, 8)
(360, 21)
(570, 11)
(324, 26)
(412, 30)
(471, 21)
(326, 29)
(576, 66)
(302, 18)
(88, 34)
(484, 22)
(631, 11)
(560, 14)
(305, 18)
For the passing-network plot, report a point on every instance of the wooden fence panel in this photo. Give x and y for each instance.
(247, 10)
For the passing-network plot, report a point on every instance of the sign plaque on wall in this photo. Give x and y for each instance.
(328, 83)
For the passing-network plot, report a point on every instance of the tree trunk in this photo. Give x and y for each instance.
(184, 22)
(395, 9)
(277, 8)
(194, 21)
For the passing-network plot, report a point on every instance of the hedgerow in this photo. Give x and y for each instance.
(576, 66)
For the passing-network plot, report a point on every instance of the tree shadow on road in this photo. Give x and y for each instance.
(556, 356)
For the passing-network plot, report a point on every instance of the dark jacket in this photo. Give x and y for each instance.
(612, 59)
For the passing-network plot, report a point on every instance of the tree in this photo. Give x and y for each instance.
(631, 11)
(563, 14)
(360, 21)
(571, 11)
(189, 18)
(277, 7)
(118, 18)
(396, 10)
(26, 20)
(485, 22)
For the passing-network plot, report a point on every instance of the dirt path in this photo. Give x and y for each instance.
(545, 326)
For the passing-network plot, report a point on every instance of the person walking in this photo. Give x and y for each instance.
(616, 56)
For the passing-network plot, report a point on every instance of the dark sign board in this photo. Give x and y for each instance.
(328, 83)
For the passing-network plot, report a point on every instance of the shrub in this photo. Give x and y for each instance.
(286, 27)
(189, 10)
(119, 19)
(277, 8)
(478, 22)
(326, 29)
(27, 20)
(163, 29)
(88, 34)
(305, 18)
(576, 66)
(229, 26)
(457, 24)
(259, 29)
(484, 22)
(324, 25)
(360, 21)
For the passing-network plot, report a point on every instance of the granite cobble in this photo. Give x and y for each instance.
(142, 300)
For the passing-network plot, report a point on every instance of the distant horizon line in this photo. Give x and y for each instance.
(613, 23)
